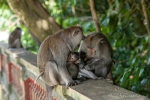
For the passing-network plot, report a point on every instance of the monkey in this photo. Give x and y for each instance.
(73, 64)
(98, 53)
(76, 64)
(53, 54)
(14, 39)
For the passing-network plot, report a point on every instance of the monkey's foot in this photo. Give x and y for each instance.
(78, 81)
(82, 79)
(72, 83)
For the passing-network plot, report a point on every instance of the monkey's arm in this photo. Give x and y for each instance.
(88, 74)
(97, 63)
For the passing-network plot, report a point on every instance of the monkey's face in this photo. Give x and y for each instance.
(91, 52)
(73, 57)
(97, 46)
(18, 30)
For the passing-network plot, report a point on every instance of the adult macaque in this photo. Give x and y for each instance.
(73, 64)
(14, 39)
(53, 54)
(97, 52)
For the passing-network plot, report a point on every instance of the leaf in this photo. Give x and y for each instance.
(141, 71)
(124, 77)
(148, 84)
(148, 62)
(127, 29)
(74, 2)
(143, 82)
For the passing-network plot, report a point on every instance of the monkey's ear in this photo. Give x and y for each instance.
(78, 25)
(75, 32)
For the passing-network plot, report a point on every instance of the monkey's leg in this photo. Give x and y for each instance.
(16, 44)
(53, 74)
(65, 76)
(88, 74)
(49, 90)
(50, 77)
(110, 76)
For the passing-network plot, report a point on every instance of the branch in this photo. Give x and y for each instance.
(146, 16)
(95, 19)
(81, 9)
(34, 17)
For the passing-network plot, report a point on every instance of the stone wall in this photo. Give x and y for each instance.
(18, 71)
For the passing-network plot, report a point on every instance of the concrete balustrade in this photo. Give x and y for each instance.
(18, 71)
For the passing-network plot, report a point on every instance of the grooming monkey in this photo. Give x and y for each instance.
(14, 39)
(75, 65)
(97, 52)
(53, 54)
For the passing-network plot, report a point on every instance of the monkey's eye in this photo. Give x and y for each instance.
(102, 41)
(73, 58)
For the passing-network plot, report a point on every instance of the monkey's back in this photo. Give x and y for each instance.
(13, 36)
(50, 50)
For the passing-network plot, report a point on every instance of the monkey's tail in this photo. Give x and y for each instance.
(38, 77)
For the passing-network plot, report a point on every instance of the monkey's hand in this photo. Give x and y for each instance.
(89, 67)
(78, 81)
(82, 78)
(96, 63)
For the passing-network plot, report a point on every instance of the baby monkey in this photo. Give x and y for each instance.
(75, 67)
(74, 63)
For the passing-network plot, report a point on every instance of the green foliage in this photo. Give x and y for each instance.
(126, 33)
(27, 41)
(4, 16)
(130, 43)
(8, 22)
(122, 21)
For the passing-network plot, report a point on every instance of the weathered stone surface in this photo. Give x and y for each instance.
(24, 59)
(98, 90)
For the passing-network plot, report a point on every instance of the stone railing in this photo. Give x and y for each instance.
(18, 71)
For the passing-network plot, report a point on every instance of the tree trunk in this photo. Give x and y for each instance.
(35, 17)
(94, 15)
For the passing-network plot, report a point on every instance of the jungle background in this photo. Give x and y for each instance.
(124, 22)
